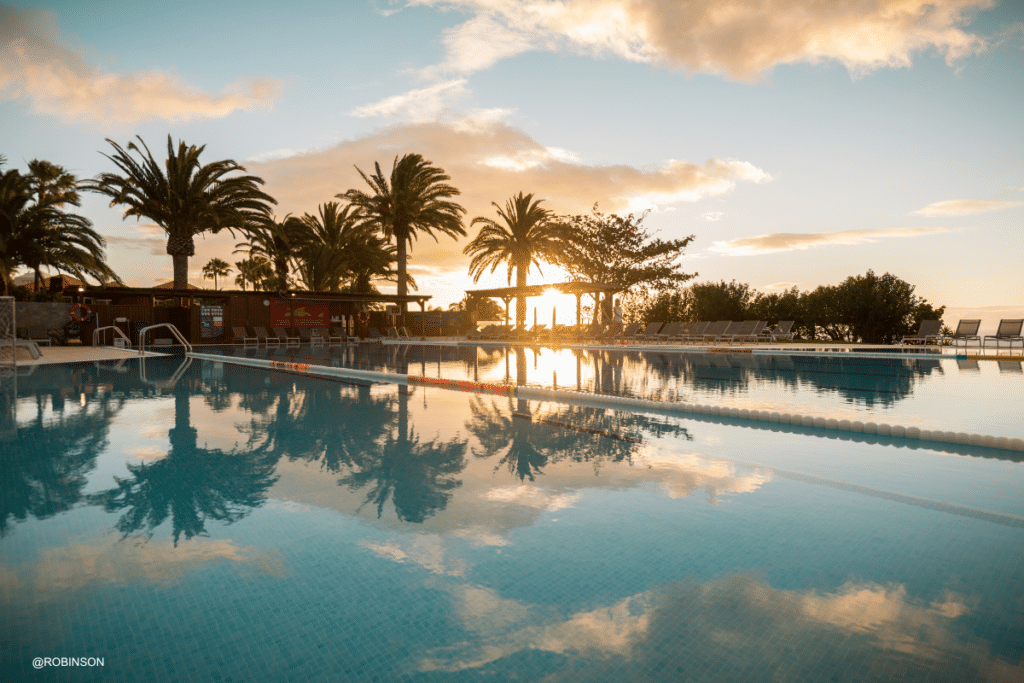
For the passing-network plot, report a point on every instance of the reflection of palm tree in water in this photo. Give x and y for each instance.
(527, 444)
(48, 477)
(417, 476)
(190, 484)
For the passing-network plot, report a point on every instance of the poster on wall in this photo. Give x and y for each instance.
(291, 313)
(211, 321)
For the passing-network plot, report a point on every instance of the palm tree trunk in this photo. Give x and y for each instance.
(402, 236)
(520, 299)
(180, 263)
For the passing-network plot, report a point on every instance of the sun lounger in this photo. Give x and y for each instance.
(1008, 331)
(783, 330)
(737, 330)
(240, 333)
(648, 332)
(262, 336)
(930, 330)
(750, 333)
(966, 330)
(288, 340)
(29, 345)
(665, 333)
(715, 330)
(626, 333)
(695, 333)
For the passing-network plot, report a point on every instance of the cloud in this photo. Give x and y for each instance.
(790, 241)
(965, 207)
(156, 247)
(742, 39)
(425, 104)
(38, 64)
(726, 624)
(110, 561)
(489, 161)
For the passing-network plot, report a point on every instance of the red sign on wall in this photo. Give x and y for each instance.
(291, 313)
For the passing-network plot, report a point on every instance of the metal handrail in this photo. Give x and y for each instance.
(96, 334)
(171, 327)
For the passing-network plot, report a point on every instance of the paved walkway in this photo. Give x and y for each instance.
(77, 354)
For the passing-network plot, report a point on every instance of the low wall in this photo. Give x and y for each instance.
(40, 316)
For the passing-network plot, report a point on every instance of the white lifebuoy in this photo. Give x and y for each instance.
(77, 315)
(363, 317)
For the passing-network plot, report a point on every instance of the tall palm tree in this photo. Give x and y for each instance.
(335, 248)
(277, 242)
(254, 270)
(323, 258)
(35, 231)
(529, 234)
(215, 268)
(183, 197)
(416, 199)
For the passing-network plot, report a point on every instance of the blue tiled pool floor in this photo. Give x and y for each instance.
(249, 525)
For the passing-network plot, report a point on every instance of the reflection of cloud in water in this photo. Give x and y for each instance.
(431, 552)
(145, 453)
(681, 475)
(532, 496)
(125, 562)
(738, 628)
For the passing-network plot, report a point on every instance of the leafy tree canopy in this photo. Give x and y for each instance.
(618, 250)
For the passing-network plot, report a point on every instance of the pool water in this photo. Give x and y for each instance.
(927, 392)
(194, 520)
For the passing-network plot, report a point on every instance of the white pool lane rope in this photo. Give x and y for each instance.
(775, 421)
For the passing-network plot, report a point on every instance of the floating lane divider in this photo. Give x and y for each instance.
(299, 367)
(576, 397)
(462, 385)
(795, 419)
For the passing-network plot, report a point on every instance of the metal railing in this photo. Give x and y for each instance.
(96, 335)
(172, 328)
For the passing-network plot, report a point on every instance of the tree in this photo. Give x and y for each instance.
(36, 231)
(215, 268)
(528, 235)
(336, 251)
(254, 270)
(416, 199)
(719, 301)
(618, 250)
(277, 242)
(183, 197)
(872, 309)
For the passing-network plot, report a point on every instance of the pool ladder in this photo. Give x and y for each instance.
(172, 328)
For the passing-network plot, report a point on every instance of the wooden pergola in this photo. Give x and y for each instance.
(577, 289)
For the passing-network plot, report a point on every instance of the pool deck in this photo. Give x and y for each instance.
(78, 354)
(88, 354)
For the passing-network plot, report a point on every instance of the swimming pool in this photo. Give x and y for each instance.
(202, 520)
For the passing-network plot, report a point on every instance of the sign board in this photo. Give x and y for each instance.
(292, 313)
(211, 322)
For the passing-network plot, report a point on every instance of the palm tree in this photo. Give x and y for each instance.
(254, 270)
(529, 234)
(415, 200)
(336, 247)
(215, 268)
(35, 231)
(183, 197)
(277, 242)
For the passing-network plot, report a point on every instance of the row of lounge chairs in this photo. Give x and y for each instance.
(314, 336)
(751, 331)
(930, 332)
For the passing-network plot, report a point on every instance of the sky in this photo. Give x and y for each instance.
(800, 142)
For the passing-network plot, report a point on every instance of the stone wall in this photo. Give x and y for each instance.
(39, 317)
